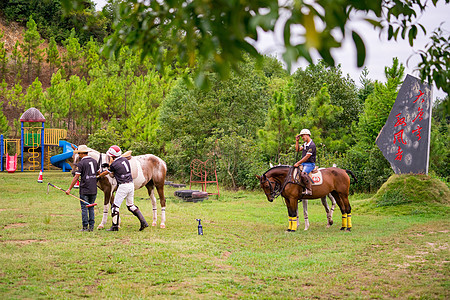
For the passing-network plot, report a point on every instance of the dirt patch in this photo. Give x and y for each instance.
(15, 225)
(23, 242)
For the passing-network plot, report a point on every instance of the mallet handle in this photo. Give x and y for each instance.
(89, 204)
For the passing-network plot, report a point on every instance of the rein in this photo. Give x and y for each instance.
(279, 188)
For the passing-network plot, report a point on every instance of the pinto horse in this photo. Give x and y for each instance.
(147, 170)
(278, 181)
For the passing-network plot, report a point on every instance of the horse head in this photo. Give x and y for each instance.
(269, 187)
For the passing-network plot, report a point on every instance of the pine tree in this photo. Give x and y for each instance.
(31, 42)
(3, 58)
(53, 55)
(17, 59)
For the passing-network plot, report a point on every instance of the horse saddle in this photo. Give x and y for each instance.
(315, 176)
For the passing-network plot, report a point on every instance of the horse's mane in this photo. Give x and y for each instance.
(277, 167)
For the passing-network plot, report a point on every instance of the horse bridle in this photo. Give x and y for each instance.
(275, 190)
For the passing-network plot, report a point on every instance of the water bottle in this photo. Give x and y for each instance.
(200, 227)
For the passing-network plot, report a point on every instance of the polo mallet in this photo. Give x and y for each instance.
(56, 187)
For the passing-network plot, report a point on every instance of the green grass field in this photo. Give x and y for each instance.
(244, 252)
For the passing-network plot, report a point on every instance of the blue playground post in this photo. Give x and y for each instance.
(1, 152)
(21, 144)
(42, 146)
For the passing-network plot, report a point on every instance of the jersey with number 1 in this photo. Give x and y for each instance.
(122, 170)
(87, 168)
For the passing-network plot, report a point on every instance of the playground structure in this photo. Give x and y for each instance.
(36, 141)
(204, 172)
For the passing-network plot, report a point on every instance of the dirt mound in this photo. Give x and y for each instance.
(410, 194)
(412, 188)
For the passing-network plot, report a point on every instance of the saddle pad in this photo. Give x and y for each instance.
(137, 173)
(316, 177)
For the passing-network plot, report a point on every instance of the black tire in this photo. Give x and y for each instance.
(197, 195)
(185, 193)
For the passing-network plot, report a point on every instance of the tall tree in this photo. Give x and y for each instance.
(276, 137)
(53, 55)
(321, 118)
(342, 90)
(34, 95)
(4, 128)
(3, 57)
(73, 54)
(31, 42)
(17, 59)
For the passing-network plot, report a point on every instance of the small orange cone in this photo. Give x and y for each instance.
(40, 177)
(77, 185)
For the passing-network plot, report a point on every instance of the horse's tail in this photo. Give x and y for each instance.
(353, 175)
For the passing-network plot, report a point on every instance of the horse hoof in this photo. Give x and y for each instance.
(288, 230)
(100, 227)
(343, 228)
(154, 224)
(349, 229)
(162, 226)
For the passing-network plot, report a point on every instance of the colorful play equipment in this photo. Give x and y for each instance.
(8, 146)
(36, 141)
(59, 160)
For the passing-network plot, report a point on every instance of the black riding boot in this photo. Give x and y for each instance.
(307, 183)
(115, 218)
(139, 215)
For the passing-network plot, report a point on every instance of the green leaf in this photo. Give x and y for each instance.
(360, 49)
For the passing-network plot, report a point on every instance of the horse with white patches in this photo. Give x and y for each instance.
(147, 170)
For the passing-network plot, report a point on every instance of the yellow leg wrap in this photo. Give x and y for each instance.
(344, 220)
(294, 224)
(349, 220)
(290, 223)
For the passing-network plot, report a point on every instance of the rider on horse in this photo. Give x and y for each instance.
(308, 160)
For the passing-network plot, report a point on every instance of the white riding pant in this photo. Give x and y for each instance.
(124, 191)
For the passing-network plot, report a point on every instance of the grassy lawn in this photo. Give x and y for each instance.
(244, 252)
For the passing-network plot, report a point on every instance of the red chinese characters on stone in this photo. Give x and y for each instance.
(399, 154)
(400, 121)
(399, 137)
(419, 115)
(420, 95)
(418, 132)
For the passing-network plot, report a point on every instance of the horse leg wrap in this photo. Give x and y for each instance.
(115, 218)
(155, 216)
(293, 223)
(163, 217)
(135, 210)
(349, 222)
(344, 221)
(104, 218)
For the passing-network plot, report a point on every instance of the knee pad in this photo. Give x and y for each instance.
(114, 209)
(132, 208)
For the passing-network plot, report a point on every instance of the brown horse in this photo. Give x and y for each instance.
(278, 181)
(147, 170)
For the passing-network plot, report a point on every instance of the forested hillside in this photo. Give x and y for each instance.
(243, 123)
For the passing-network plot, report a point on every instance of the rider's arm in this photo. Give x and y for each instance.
(297, 144)
(305, 158)
(72, 184)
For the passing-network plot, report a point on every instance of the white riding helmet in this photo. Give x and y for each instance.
(305, 131)
(114, 151)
